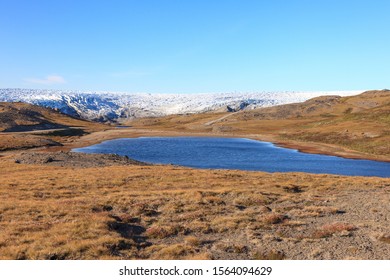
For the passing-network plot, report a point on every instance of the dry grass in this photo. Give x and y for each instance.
(17, 116)
(385, 238)
(271, 255)
(331, 229)
(172, 252)
(153, 212)
(161, 232)
(274, 218)
(192, 240)
(30, 124)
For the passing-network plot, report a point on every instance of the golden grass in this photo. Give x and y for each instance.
(28, 118)
(165, 212)
(329, 229)
(271, 255)
(385, 238)
(16, 114)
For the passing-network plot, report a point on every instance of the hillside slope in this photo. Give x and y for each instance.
(359, 123)
(325, 106)
(20, 116)
(28, 126)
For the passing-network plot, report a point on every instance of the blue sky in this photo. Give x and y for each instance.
(195, 46)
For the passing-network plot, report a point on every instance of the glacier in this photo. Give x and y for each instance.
(112, 106)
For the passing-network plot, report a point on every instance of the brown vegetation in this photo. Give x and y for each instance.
(168, 212)
(26, 126)
(329, 229)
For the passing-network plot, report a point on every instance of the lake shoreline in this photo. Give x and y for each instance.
(305, 147)
(233, 154)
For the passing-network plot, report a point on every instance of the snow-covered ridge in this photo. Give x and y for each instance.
(114, 105)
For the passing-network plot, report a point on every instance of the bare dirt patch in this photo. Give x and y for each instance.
(71, 159)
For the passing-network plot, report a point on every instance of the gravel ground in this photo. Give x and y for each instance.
(72, 159)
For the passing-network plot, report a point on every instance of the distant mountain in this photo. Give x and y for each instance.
(103, 106)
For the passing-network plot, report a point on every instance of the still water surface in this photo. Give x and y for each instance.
(234, 153)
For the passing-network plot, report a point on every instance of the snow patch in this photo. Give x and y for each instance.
(114, 105)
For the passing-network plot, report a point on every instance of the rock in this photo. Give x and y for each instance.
(49, 159)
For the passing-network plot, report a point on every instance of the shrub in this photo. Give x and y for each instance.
(271, 255)
(330, 229)
(385, 238)
(192, 240)
(274, 218)
(161, 231)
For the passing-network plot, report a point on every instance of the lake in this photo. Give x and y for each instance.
(234, 153)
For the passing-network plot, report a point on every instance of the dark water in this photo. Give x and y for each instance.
(234, 153)
(122, 126)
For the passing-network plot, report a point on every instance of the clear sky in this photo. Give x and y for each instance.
(190, 46)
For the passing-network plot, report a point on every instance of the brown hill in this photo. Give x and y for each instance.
(28, 126)
(26, 117)
(325, 106)
(359, 122)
